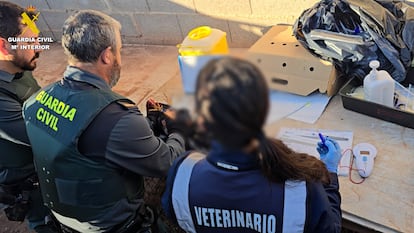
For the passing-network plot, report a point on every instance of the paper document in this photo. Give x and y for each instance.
(282, 104)
(305, 141)
(302, 108)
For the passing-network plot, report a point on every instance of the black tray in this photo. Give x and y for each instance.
(373, 109)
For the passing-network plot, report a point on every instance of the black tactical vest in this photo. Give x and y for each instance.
(72, 184)
(17, 155)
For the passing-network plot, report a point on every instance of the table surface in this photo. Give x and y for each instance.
(385, 200)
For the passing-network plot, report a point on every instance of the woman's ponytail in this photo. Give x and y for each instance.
(280, 163)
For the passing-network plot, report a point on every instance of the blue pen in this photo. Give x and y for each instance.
(323, 139)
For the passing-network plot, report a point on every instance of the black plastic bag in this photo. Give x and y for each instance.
(352, 33)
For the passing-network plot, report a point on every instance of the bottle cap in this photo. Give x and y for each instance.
(374, 64)
(199, 32)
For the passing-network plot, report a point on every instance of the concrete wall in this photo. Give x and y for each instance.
(167, 22)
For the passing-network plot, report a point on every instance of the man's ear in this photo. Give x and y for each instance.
(3, 46)
(106, 55)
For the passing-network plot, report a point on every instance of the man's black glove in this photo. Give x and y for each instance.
(164, 120)
(156, 117)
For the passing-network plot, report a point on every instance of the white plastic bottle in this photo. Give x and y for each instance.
(379, 86)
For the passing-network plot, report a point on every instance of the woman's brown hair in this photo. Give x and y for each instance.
(233, 99)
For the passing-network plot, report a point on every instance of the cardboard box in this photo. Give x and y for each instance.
(379, 111)
(289, 67)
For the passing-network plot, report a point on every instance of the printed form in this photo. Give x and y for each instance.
(305, 141)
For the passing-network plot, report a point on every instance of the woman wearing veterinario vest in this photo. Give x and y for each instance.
(248, 182)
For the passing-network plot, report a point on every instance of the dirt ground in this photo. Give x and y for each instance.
(7, 226)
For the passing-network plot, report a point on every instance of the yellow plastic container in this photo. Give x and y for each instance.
(204, 40)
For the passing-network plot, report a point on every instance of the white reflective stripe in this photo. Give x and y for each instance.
(180, 192)
(294, 210)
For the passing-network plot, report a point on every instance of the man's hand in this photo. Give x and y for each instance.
(165, 120)
(156, 117)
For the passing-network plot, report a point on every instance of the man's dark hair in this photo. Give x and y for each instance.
(87, 33)
(10, 19)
